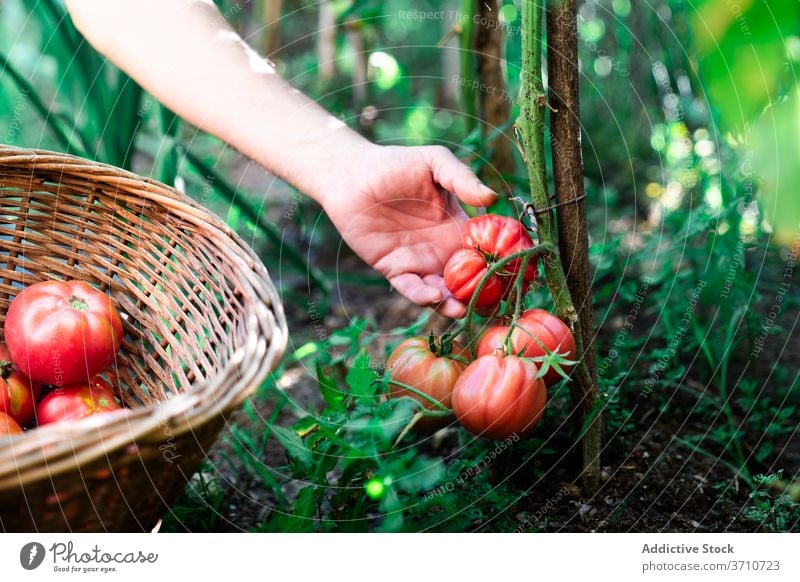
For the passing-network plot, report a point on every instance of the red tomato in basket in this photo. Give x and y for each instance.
(8, 425)
(500, 236)
(62, 332)
(463, 272)
(76, 402)
(536, 333)
(430, 371)
(17, 393)
(498, 396)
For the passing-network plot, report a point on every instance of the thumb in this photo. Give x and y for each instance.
(453, 175)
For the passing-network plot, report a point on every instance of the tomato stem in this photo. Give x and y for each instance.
(78, 303)
(416, 418)
(459, 358)
(442, 347)
(530, 133)
(487, 256)
(421, 394)
(432, 345)
(6, 368)
(545, 249)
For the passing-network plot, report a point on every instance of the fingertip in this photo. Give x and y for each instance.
(457, 177)
(488, 196)
(430, 296)
(451, 308)
(415, 290)
(474, 192)
(424, 296)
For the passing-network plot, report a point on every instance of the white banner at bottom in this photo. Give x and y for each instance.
(407, 557)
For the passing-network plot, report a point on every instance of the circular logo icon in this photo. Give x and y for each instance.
(31, 555)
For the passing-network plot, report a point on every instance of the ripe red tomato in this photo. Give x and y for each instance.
(62, 332)
(500, 236)
(498, 396)
(535, 324)
(8, 425)
(463, 272)
(417, 363)
(17, 393)
(76, 402)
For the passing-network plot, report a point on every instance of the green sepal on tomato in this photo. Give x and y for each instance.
(538, 334)
(429, 366)
(76, 402)
(500, 236)
(62, 332)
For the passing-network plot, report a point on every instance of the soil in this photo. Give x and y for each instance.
(653, 488)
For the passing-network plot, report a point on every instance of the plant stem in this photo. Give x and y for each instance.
(421, 394)
(416, 418)
(494, 107)
(519, 293)
(538, 250)
(466, 64)
(733, 426)
(531, 124)
(573, 232)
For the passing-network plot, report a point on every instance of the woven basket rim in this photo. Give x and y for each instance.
(46, 451)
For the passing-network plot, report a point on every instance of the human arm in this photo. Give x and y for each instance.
(391, 204)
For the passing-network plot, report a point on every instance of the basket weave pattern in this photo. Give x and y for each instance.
(203, 327)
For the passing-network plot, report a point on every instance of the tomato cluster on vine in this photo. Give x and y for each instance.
(503, 390)
(498, 387)
(59, 337)
(487, 240)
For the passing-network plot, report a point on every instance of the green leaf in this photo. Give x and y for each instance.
(333, 396)
(776, 158)
(307, 349)
(304, 510)
(422, 475)
(391, 507)
(52, 121)
(361, 376)
(742, 54)
(166, 162)
(296, 450)
(764, 451)
(403, 409)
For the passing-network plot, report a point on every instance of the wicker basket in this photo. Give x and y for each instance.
(203, 327)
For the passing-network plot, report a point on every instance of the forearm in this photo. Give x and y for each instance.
(187, 56)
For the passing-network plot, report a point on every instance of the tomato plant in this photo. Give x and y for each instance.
(17, 393)
(62, 332)
(537, 334)
(499, 395)
(499, 236)
(8, 425)
(463, 272)
(427, 366)
(76, 402)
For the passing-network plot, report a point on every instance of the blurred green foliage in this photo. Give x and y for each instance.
(748, 52)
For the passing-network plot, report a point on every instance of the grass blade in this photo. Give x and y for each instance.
(50, 119)
(249, 212)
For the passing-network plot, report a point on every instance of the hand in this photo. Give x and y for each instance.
(395, 208)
